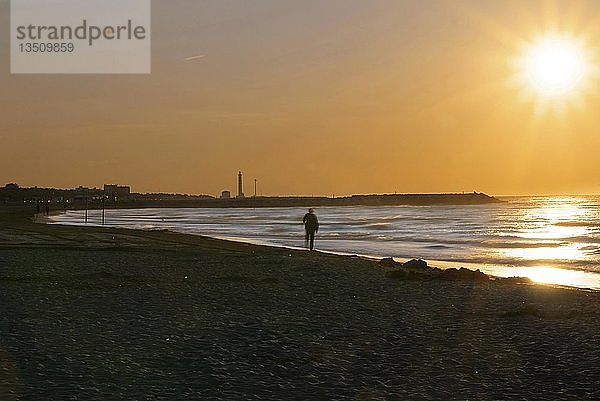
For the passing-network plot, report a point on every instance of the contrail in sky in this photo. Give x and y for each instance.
(191, 58)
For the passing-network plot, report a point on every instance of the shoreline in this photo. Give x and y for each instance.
(489, 269)
(45, 220)
(133, 314)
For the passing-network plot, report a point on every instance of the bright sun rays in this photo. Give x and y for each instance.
(555, 72)
(554, 66)
(549, 54)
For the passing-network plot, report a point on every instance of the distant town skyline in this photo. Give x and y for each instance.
(321, 98)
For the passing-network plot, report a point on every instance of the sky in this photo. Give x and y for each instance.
(314, 97)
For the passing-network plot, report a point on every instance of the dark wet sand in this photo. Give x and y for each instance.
(93, 313)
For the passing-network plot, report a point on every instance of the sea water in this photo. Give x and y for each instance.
(549, 239)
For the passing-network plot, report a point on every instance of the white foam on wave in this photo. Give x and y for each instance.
(512, 238)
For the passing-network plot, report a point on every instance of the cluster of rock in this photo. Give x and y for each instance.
(417, 269)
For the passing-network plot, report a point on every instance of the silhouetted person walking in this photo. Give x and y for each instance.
(311, 225)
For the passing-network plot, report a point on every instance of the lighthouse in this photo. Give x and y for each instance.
(240, 186)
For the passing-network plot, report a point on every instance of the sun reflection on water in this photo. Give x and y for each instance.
(553, 220)
(566, 252)
(553, 275)
(545, 229)
(559, 209)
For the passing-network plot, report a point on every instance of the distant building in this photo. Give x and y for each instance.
(117, 191)
(226, 195)
(240, 186)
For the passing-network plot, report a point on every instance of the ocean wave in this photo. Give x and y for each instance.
(523, 245)
(437, 246)
(460, 233)
(576, 224)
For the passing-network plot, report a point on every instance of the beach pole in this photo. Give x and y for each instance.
(86, 207)
(103, 212)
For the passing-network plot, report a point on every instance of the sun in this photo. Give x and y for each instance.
(554, 65)
(554, 72)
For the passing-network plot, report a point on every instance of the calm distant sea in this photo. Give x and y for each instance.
(550, 239)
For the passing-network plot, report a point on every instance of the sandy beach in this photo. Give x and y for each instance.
(99, 313)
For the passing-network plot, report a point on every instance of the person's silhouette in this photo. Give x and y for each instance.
(311, 225)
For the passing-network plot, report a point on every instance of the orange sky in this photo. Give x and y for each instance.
(313, 97)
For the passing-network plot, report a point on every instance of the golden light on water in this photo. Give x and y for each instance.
(546, 253)
(546, 226)
(553, 275)
(559, 209)
(555, 219)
